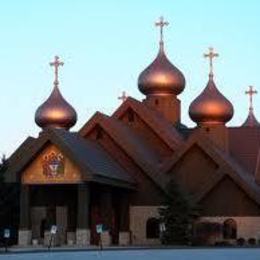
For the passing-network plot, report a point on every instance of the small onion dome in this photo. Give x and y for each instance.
(161, 77)
(251, 120)
(211, 107)
(56, 112)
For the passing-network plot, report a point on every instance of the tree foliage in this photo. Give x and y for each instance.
(178, 216)
(9, 198)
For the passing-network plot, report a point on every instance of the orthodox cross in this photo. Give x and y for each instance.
(211, 55)
(123, 97)
(56, 64)
(251, 92)
(161, 23)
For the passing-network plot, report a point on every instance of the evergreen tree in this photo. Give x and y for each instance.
(9, 203)
(178, 216)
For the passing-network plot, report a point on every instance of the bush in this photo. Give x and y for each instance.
(251, 241)
(241, 241)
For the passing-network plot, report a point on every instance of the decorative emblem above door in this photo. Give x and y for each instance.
(53, 165)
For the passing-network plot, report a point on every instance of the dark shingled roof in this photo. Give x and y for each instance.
(94, 162)
(93, 157)
(141, 153)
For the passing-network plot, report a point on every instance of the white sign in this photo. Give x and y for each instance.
(53, 230)
(99, 228)
(7, 233)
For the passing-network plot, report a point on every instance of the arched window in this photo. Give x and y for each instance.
(230, 229)
(152, 228)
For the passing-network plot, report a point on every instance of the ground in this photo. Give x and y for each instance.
(176, 254)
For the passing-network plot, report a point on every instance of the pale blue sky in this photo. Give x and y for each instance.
(106, 44)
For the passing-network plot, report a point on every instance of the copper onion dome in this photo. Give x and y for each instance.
(211, 107)
(161, 77)
(251, 120)
(56, 111)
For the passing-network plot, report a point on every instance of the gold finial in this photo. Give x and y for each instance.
(161, 23)
(56, 63)
(251, 92)
(211, 55)
(123, 97)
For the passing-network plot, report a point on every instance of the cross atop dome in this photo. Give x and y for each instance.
(251, 120)
(56, 64)
(161, 23)
(211, 55)
(251, 92)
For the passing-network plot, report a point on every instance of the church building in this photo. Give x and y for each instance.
(115, 170)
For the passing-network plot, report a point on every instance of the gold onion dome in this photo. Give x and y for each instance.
(161, 77)
(211, 107)
(56, 111)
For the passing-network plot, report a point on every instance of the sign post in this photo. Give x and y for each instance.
(99, 229)
(53, 232)
(162, 228)
(7, 235)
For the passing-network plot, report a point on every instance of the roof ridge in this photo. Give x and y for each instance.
(149, 115)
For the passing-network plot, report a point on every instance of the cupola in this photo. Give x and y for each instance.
(56, 111)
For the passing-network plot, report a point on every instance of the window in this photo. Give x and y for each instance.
(230, 229)
(152, 228)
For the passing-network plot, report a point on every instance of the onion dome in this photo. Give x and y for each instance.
(56, 111)
(251, 120)
(161, 77)
(211, 107)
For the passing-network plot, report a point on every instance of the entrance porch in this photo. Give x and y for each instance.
(75, 209)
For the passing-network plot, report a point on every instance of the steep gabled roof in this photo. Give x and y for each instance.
(133, 145)
(93, 161)
(227, 166)
(161, 126)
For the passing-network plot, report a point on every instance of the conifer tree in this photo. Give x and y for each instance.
(9, 199)
(178, 216)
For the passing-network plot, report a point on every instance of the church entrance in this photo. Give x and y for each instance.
(53, 205)
(76, 210)
(104, 211)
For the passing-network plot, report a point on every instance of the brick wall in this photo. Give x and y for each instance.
(138, 218)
